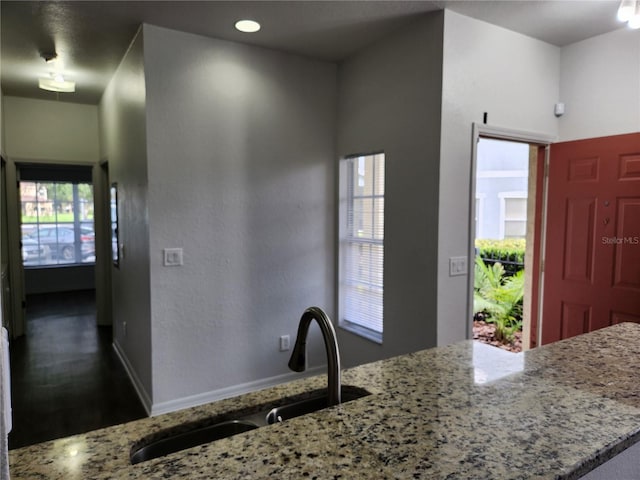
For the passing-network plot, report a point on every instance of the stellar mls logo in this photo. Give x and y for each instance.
(621, 240)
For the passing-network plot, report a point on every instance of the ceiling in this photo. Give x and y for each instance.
(90, 38)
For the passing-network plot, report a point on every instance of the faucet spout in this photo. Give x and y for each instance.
(297, 362)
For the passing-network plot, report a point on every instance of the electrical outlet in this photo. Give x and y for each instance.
(284, 343)
(457, 266)
(173, 257)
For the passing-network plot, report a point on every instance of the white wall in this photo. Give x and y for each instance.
(389, 100)
(515, 79)
(600, 86)
(45, 131)
(123, 144)
(241, 176)
(53, 131)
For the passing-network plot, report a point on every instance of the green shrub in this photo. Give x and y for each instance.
(509, 252)
(499, 298)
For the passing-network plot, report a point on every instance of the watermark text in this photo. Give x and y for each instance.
(621, 240)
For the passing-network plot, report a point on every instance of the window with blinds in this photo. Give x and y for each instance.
(362, 245)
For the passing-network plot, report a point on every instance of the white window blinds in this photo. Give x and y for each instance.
(362, 245)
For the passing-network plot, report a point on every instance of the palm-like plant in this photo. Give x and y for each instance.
(499, 298)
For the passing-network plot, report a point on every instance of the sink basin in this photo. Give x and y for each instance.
(312, 404)
(233, 423)
(190, 439)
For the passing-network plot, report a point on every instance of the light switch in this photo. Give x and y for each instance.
(173, 257)
(457, 266)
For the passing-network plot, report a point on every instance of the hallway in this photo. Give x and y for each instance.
(65, 376)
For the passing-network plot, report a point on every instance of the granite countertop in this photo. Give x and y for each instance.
(464, 411)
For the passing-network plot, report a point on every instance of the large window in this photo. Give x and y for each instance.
(362, 245)
(57, 223)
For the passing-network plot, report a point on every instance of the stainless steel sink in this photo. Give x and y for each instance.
(312, 404)
(189, 439)
(233, 423)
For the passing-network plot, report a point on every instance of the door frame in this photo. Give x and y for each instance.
(16, 268)
(542, 140)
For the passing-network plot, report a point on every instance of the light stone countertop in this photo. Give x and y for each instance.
(464, 411)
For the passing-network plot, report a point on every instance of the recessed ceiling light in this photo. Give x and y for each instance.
(626, 10)
(247, 26)
(629, 11)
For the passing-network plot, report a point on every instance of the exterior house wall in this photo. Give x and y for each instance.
(501, 171)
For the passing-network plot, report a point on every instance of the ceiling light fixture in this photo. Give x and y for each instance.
(56, 83)
(629, 11)
(247, 26)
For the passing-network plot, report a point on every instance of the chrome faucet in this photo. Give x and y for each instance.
(297, 362)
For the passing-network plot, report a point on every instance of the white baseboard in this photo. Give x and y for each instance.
(137, 384)
(205, 397)
(227, 392)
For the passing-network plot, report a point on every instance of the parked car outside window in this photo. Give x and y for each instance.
(33, 252)
(60, 242)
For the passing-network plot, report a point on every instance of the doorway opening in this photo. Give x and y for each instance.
(508, 192)
(501, 200)
(62, 360)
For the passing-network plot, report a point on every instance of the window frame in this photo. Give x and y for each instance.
(504, 196)
(347, 179)
(56, 227)
(479, 213)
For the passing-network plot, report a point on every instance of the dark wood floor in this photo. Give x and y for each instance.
(65, 376)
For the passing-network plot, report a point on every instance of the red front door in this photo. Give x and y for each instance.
(592, 247)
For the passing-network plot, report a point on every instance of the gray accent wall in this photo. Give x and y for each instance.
(389, 100)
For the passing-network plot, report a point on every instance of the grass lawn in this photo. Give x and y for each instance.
(60, 218)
